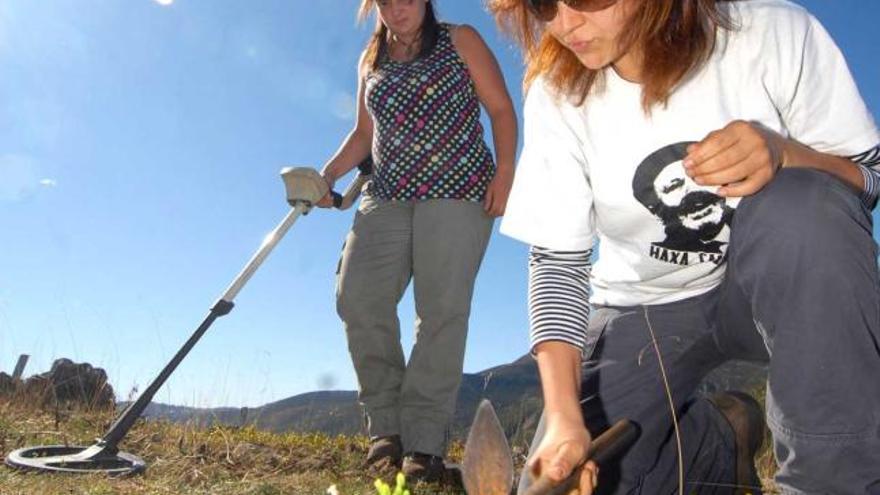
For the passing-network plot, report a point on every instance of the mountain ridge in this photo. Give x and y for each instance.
(513, 388)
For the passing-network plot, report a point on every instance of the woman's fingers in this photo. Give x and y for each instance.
(715, 143)
(561, 464)
(587, 482)
(740, 157)
(488, 200)
(750, 185)
(721, 162)
(496, 196)
(734, 172)
(325, 202)
(589, 479)
(495, 200)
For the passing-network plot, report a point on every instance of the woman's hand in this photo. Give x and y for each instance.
(498, 191)
(327, 200)
(562, 448)
(742, 158)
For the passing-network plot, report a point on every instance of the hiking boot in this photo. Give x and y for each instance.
(385, 452)
(746, 418)
(423, 467)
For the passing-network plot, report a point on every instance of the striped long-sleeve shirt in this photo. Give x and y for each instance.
(559, 288)
(870, 167)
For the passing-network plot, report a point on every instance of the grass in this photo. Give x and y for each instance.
(182, 458)
(216, 460)
(765, 461)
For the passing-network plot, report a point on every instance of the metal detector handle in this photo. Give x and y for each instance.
(345, 200)
(604, 448)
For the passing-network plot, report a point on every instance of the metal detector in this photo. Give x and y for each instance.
(305, 187)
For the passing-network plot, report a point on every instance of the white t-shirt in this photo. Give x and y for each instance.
(605, 170)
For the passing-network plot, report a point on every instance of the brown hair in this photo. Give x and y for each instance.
(377, 47)
(677, 36)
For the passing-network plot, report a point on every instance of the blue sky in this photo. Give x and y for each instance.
(140, 145)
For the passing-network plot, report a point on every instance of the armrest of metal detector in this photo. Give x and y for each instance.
(345, 200)
(606, 447)
(304, 185)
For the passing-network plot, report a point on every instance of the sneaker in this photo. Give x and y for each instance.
(385, 452)
(746, 418)
(423, 467)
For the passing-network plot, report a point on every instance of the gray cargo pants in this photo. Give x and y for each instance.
(439, 244)
(801, 289)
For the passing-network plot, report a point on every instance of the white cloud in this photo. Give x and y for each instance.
(164, 2)
(48, 183)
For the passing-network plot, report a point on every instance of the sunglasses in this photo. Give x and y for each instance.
(545, 10)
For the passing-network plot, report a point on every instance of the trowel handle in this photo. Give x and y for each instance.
(345, 200)
(610, 444)
(603, 448)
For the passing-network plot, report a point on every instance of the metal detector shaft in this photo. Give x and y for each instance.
(269, 243)
(222, 307)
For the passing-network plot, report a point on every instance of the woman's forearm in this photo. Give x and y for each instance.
(560, 367)
(795, 154)
(558, 331)
(504, 134)
(356, 146)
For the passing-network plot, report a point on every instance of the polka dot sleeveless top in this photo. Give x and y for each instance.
(427, 137)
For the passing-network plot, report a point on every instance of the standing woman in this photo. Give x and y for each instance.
(720, 154)
(426, 214)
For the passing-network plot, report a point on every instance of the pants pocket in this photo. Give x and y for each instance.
(599, 318)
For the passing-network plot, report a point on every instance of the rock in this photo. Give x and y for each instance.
(7, 385)
(244, 450)
(72, 383)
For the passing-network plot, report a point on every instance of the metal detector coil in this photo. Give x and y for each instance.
(76, 459)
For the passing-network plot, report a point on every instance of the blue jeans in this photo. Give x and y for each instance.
(801, 290)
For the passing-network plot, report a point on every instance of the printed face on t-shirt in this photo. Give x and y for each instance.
(690, 204)
(693, 216)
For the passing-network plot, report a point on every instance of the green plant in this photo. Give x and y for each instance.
(400, 489)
